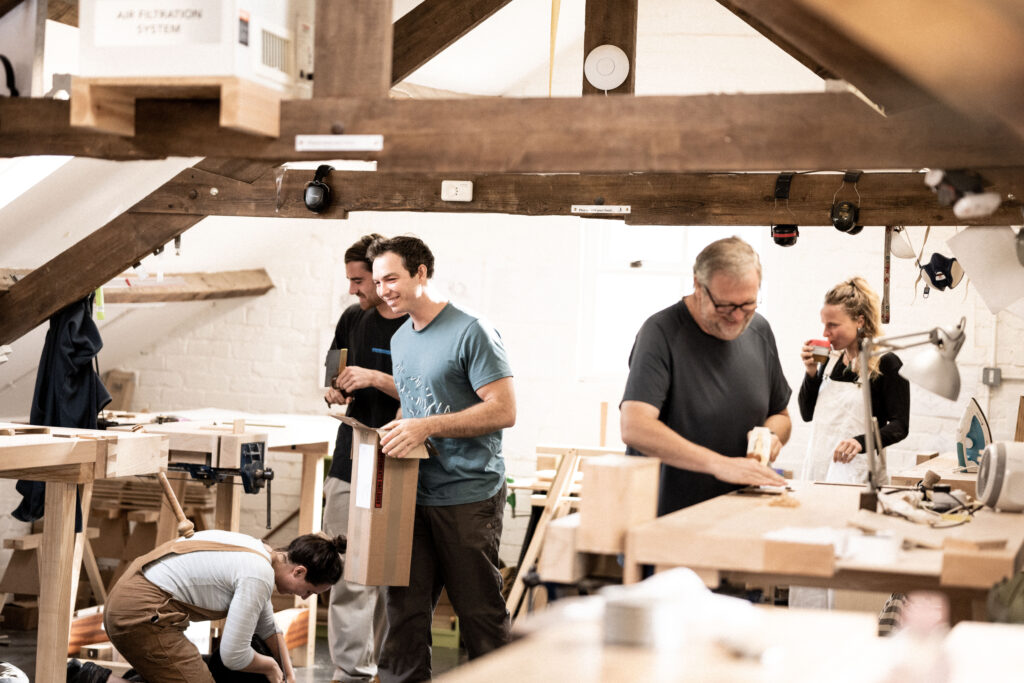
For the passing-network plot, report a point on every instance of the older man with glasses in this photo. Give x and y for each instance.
(702, 374)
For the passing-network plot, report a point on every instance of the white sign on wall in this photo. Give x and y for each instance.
(174, 22)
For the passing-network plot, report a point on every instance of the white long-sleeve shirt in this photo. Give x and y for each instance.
(239, 582)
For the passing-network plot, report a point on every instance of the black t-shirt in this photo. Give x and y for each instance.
(707, 390)
(367, 336)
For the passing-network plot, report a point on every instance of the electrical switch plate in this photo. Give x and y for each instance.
(456, 190)
(992, 377)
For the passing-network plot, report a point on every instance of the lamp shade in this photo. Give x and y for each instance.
(934, 368)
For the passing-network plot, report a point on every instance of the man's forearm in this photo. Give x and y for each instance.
(781, 424)
(656, 439)
(483, 418)
(386, 383)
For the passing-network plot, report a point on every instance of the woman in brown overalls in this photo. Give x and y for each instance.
(214, 575)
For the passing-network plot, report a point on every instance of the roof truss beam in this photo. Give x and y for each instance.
(592, 134)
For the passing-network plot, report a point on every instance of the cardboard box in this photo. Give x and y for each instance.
(381, 509)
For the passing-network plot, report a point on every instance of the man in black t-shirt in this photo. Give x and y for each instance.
(356, 616)
(702, 373)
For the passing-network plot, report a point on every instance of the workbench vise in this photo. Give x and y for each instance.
(252, 470)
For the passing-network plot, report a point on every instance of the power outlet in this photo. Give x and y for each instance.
(456, 190)
(991, 377)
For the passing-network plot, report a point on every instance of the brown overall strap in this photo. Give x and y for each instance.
(177, 547)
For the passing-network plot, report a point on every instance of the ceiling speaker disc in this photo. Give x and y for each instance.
(606, 67)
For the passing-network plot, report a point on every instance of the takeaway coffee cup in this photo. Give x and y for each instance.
(820, 349)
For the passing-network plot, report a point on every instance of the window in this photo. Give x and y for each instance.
(630, 272)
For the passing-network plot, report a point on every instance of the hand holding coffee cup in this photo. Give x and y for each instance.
(813, 352)
(820, 349)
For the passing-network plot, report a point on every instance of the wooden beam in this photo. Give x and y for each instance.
(654, 198)
(794, 28)
(969, 53)
(63, 12)
(83, 267)
(786, 46)
(244, 170)
(190, 286)
(611, 22)
(433, 25)
(592, 134)
(7, 5)
(353, 48)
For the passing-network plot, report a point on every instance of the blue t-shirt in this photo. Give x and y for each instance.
(438, 370)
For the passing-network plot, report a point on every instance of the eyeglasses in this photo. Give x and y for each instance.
(729, 309)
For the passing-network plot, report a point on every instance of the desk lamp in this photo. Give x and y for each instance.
(934, 369)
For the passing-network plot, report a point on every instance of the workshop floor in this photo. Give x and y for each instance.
(19, 649)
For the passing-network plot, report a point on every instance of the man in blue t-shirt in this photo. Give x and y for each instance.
(355, 615)
(703, 372)
(455, 385)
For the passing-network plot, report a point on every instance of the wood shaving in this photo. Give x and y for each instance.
(785, 501)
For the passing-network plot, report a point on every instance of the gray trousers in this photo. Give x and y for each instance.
(355, 613)
(454, 547)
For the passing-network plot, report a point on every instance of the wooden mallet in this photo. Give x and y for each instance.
(185, 527)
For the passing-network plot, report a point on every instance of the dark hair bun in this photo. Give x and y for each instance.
(340, 543)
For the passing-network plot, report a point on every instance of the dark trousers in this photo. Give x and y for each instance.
(454, 547)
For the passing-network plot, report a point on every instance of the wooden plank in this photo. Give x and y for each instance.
(701, 133)
(71, 275)
(310, 516)
(655, 198)
(190, 287)
(611, 22)
(1018, 434)
(967, 53)
(55, 569)
(554, 508)
(619, 491)
(431, 26)
(353, 48)
(798, 31)
(107, 104)
(560, 558)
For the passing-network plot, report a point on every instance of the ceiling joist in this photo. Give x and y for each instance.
(433, 25)
(805, 36)
(654, 199)
(968, 53)
(611, 22)
(83, 267)
(704, 133)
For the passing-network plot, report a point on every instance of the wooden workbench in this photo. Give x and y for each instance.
(65, 458)
(946, 467)
(799, 647)
(309, 436)
(725, 538)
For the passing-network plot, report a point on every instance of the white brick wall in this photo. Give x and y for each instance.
(523, 274)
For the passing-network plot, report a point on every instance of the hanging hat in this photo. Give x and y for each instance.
(943, 272)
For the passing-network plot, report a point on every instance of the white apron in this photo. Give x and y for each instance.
(838, 415)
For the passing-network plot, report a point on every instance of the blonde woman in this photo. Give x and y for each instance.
(831, 391)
